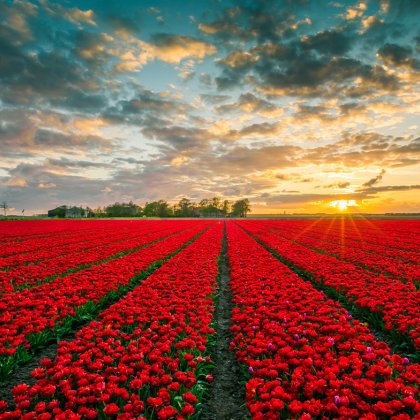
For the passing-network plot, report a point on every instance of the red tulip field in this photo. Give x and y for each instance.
(210, 319)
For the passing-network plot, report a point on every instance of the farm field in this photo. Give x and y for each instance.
(210, 319)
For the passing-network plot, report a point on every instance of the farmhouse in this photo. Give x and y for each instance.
(68, 212)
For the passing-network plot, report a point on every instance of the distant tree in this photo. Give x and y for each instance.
(205, 206)
(216, 205)
(184, 208)
(123, 210)
(99, 212)
(211, 207)
(90, 212)
(241, 207)
(226, 207)
(5, 207)
(159, 208)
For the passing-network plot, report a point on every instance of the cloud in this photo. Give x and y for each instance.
(145, 101)
(46, 189)
(297, 96)
(371, 21)
(244, 160)
(134, 53)
(363, 149)
(290, 70)
(355, 12)
(338, 185)
(265, 48)
(16, 182)
(26, 134)
(251, 104)
(226, 25)
(40, 77)
(178, 137)
(73, 15)
(175, 48)
(213, 99)
(397, 55)
(46, 185)
(239, 60)
(17, 17)
(390, 188)
(258, 20)
(206, 80)
(45, 137)
(303, 198)
(375, 180)
(332, 42)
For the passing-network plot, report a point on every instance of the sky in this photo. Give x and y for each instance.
(298, 105)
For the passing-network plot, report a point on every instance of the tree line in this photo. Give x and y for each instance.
(208, 207)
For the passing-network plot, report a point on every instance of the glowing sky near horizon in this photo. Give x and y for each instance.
(299, 106)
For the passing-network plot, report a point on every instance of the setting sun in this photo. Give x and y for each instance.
(343, 205)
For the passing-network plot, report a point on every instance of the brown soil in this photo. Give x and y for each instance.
(226, 400)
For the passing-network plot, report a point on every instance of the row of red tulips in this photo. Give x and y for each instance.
(374, 236)
(52, 234)
(35, 316)
(19, 230)
(395, 263)
(396, 303)
(147, 355)
(57, 244)
(304, 355)
(82, 255)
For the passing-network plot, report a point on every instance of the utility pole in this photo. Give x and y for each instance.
(4, 206)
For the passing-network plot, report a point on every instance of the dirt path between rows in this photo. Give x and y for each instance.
(226, 399)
